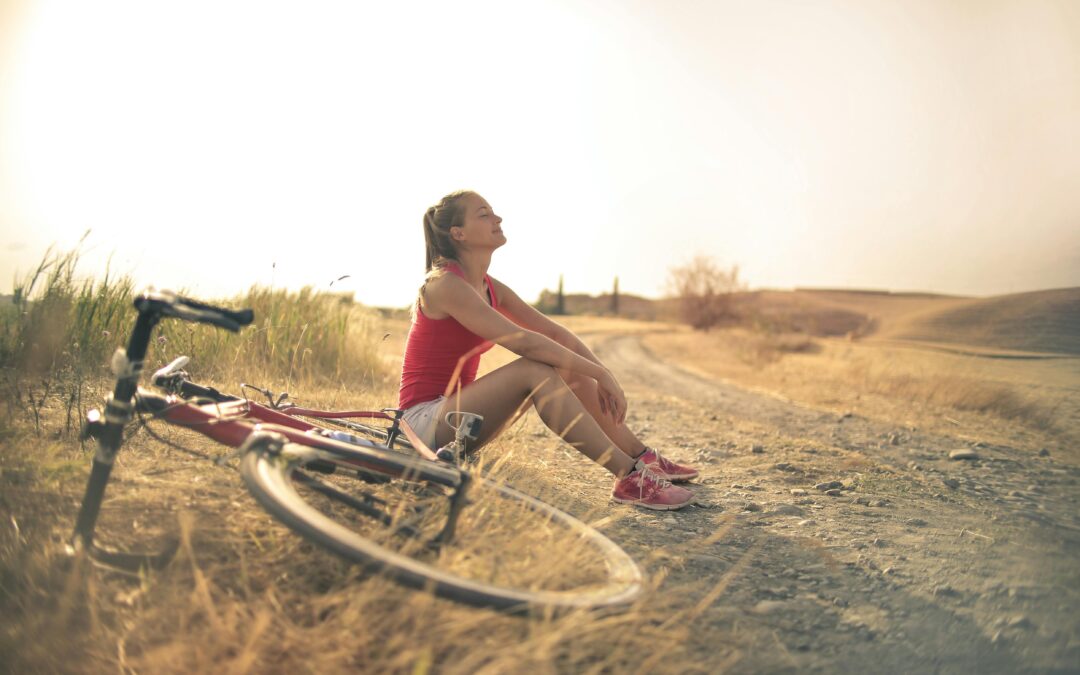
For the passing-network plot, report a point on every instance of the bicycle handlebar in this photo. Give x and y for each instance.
(167, 303)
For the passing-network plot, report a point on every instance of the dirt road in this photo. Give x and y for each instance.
(860, 544)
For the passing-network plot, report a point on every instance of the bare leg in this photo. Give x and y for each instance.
(585, 389)
(502, 394)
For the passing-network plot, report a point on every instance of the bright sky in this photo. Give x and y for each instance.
(210, 145)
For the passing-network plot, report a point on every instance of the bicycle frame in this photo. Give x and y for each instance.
(174, 381)
(231, 422)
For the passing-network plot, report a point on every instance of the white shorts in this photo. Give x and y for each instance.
(423, 418)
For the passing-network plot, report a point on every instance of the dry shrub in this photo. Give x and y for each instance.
(704, 291)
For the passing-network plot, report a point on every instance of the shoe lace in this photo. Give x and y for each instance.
(649, 483)
(663, 462)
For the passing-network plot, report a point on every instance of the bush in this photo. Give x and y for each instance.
(704, 292)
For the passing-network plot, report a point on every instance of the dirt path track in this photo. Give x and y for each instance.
(916, 563)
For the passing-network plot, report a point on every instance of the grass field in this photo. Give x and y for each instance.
(246, 595)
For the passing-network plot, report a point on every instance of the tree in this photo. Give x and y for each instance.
(615, 297)
(704, 291)
(560, 301)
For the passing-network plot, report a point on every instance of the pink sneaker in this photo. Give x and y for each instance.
(665, 468)
(642, 488)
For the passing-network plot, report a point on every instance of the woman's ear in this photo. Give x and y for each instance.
(457, 233)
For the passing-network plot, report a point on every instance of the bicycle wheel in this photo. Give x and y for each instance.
(508, 550)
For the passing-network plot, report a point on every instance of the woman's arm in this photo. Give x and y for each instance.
(452, 295)
(527, 316)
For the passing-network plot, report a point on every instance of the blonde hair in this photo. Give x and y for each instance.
(438, 220)
(438, 243)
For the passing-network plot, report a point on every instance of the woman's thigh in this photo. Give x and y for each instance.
(500, 396)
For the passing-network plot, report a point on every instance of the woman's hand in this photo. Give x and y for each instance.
(612, 399)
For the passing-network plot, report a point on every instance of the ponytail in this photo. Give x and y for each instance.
(438, 219)
(431, 247)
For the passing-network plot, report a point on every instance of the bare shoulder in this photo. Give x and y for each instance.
(442, 291)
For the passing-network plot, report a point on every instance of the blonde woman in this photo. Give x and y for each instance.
(461, 311)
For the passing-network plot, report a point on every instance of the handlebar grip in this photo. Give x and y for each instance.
(241, 317)
(167, 303)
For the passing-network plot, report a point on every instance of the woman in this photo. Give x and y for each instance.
(461, 311)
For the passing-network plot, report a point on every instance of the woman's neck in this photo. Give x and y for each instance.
(474, 266)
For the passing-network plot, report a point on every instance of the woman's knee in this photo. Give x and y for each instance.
(536, 373)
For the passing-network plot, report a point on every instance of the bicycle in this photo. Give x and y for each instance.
(281, 454)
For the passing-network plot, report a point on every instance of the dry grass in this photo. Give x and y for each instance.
(244, 594)
(906, 385)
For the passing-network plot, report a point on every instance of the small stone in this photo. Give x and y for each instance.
(865, 501)
(808, 521)
(767, 606)
(880, 543)
(757, 449)
(1044, 453)
(797, 492)
(963, 453)
(835, 492)
(880, 503)
(945, 590)
(916, 522)
(782, 466)
(828, 485)
(786, 510)
(1019, 621)
(951, 482)
(894, 439)
(670, 520)
(752, 506)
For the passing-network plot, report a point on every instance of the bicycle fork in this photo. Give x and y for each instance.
(108, 432)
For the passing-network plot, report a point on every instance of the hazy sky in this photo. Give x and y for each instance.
(212, 145)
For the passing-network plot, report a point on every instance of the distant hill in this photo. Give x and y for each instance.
(1040, 321)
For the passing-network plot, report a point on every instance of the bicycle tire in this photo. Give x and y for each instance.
(272, 476)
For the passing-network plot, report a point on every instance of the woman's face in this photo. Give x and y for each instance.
(481, 228)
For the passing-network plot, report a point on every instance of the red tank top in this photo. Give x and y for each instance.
(434, 348)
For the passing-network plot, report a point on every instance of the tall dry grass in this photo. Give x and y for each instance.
(58, 333)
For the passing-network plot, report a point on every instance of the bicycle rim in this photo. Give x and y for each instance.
(456, 571)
